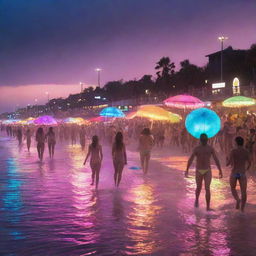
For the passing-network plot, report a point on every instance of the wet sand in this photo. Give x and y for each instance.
(50, 208)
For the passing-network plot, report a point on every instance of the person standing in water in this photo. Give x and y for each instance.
(40, 139)
(119, 157)
(203, 154)
(19, 136)
(82, 137)
(95, 151)
(146, 143)
(28, 135)
(51, 139)
(238, 159)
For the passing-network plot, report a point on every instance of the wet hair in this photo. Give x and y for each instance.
(119, 141)
(203, 139)
(95, 141)
(146, 131)
(239, 141)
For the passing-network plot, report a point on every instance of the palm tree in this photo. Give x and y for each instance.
(165, 67)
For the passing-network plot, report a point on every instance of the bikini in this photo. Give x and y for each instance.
(203, 171)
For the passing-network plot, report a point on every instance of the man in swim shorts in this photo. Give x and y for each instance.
(203, 154)
(238, 159)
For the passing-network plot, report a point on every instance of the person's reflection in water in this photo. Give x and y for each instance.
(51, 165)
(118, 210)
(202, 236)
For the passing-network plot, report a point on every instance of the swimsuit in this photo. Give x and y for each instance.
(238, 175)
(203, 171)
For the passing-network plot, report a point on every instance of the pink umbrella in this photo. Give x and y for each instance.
(184, 101)
(45, 120)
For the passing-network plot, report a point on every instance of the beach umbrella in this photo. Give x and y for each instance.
(75, 120)
(238, 102)
(99, 119)
(45, 120)
(11, 121)
(111, 112)
(203, 120)
(184, 102)
(156, 113)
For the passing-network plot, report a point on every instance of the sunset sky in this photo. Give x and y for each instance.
(48, 45)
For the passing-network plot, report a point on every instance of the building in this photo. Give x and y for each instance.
(234, 65)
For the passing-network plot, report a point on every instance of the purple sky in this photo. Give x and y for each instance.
(62, 42)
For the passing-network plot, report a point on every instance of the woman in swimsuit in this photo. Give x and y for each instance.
(119, 157)
(40, 138)
(51, 141)
(146, 143)
(95, 151)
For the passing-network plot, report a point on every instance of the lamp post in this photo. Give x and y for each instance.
(82, 86)
(222, 39)
(98, 70)
(48, 96)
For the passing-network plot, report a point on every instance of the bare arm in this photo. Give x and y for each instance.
(88, 154)
(101, 154)
(190, 161)
(217, 163)
(249, 161)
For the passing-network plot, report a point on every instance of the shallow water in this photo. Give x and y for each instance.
(50, 208)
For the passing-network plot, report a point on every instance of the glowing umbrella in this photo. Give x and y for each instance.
(203, 120)
(45, 120)
(11, 121)
(184, 102)
(99, 119)
(156, 113)
(111, 112)
(75, 120)
(238, 101)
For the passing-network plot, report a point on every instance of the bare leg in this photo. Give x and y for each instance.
(199, 181)
(53, 149)
(115, 174)
(93, 176)
(243, 187)
(97, 177)
(207, 183)
(42, 152)
(147, 158)
(50, 150)
(120, 171)
(233, 182)
(39, 152)
(142, 160)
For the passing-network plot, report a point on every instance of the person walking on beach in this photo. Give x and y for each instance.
(28, 136)
(40, 139)
(95, 152)
(51, 139)
(146, 143)
(203, 154)
(119, 157)
(19, 136)
(238, 159)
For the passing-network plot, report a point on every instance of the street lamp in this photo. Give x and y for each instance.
(98, 70)
(82, 86)
(48, 96)
(222, 39)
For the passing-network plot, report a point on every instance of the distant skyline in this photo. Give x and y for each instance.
(62, 42)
